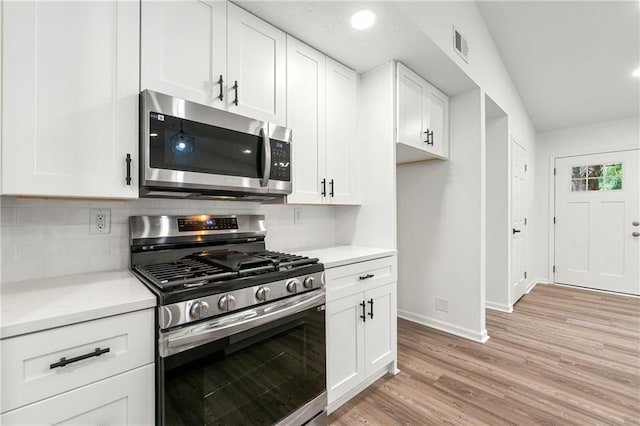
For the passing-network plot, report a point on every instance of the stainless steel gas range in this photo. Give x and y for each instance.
(241, 330)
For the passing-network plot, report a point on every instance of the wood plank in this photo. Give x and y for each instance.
(564, 356)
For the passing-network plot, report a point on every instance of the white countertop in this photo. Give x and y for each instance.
(336, 256)
(35, 305)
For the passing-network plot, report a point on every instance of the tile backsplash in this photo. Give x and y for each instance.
(45, 238)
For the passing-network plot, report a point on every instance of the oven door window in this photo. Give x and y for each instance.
(252, 378)
(183, 145)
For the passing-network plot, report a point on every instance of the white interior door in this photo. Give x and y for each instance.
(518, 231)
(597, 231)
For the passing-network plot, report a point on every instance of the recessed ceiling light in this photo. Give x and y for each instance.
(636, 73)
(363, 19)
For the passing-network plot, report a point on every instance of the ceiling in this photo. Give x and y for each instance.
(571, 61)
(325, 26)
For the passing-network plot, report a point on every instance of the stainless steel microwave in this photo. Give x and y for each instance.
(189, 150)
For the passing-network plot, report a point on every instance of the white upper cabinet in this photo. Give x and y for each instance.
(214, 53)
(184, 48)
(321, 111)
(70, 99)
(306, 118)
(422, 118)
(343, 150)
(256, 54)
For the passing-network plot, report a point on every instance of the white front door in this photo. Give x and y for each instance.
(597, 215)
(518, 221)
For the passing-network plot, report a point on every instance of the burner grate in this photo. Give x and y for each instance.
(286, 260)
(184, 272)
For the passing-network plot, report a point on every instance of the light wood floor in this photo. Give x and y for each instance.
(564, 356)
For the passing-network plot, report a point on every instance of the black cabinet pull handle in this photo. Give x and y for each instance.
(220, 81)
(363, 316)
(366, 277)
(429, 134)
(331, 193)
(235, 88)
(63, 361)
(324, 187)
(371, 308)
(128, 161)
(515, 231)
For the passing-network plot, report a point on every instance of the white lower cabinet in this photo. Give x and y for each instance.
(361, 326)
(93, 372)
(125, 399)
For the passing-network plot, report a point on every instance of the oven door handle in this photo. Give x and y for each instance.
(266, 152)
(177, 341)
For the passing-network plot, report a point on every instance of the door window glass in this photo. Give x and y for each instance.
(601, 177)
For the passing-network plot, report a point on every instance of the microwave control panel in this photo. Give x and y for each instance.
(280, 161)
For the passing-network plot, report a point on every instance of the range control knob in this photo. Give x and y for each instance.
(263, 294)
(227, 302)
(199, 310)
(308, 282)
(293, 285)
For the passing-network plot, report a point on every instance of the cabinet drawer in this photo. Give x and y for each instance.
(27, 373)
(125, 399)
(346, 280)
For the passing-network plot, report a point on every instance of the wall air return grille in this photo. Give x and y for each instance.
(460, 45)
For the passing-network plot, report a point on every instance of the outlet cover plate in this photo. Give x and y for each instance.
(100, 221)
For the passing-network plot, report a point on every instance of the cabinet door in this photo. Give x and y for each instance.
(306, 118)
(70, 98)
(256, 60)
(380, 328)
(412, 108)
(345, 345)
(343, 151)
(438, 107)
(125, 399)
(183, 49)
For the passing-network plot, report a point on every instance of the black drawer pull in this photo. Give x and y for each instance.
(324, 187)
(364, 315)
(63, 361)
(366, 277)
(332, 193)
(371, 308)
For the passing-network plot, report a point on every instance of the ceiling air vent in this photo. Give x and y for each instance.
(460, 45)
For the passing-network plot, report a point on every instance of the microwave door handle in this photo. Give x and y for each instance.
(266, 166)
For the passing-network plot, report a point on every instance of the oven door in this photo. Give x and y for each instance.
(189, 147)
(256, 367)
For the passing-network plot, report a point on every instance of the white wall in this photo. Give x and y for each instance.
(498, 235)
(441, 229)
(595, 138)
(485, 67)
(44, 238)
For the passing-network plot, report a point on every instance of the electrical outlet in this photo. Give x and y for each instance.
(297, 214)
(100, 221)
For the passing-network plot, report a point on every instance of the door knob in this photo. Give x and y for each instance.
(636, 234)
(635, 223)
(515, 231)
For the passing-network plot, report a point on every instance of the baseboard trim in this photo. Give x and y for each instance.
(498, 307)
(476, 336)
